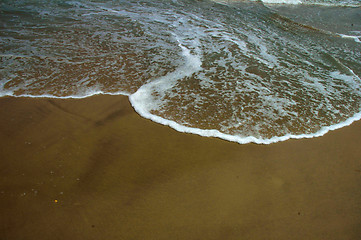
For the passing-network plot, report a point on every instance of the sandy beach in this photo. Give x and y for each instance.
(94, 169)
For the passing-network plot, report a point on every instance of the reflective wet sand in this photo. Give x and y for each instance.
(93, 169)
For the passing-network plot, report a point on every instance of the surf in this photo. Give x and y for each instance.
(239, 71)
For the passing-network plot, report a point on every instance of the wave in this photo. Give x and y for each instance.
(242, 73)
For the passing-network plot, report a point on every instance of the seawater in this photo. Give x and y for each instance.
(243, 71)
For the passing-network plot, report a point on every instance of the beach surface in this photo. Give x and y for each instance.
(94, 169)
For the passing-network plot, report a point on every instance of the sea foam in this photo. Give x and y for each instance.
(240, 73)
(144, 103)
(355, 38)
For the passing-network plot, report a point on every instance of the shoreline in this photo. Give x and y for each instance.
(93, 168)
(210, 133)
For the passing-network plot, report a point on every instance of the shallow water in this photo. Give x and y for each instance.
(241, 71)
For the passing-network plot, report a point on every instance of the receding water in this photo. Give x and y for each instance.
(241, 71)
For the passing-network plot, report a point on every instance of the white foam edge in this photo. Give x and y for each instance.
(292, 2)
(238, 139)
(202, 132)
(289, 2)
(355, 38)
(10, 94)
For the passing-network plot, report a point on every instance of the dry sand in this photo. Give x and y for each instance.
(94, 169)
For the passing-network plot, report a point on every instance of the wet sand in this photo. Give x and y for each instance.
(93, 169)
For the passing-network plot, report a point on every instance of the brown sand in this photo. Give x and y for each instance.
(94, 169)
